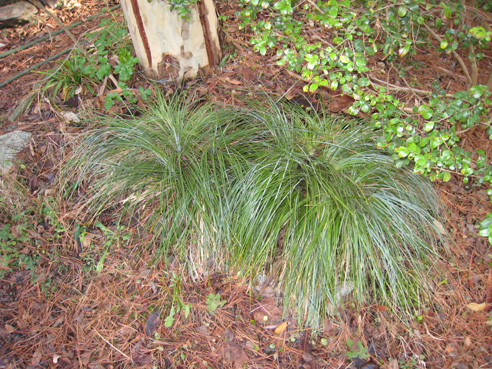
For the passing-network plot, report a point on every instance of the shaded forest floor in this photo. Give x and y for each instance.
(57, 310)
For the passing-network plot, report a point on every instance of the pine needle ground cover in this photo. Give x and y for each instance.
(271, 189)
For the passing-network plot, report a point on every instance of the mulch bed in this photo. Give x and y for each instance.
(65, 314)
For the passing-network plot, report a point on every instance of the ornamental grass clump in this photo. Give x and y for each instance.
(349, 219)
(171, 167)
(271, 189)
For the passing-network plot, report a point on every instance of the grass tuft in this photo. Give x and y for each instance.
(308, 196)
(349, 217)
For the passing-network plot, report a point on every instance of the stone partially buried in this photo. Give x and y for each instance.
(10, 144)
(16, 14)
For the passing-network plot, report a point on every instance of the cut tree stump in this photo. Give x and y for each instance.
(167, 45)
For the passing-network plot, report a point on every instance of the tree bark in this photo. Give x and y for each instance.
(167, 45)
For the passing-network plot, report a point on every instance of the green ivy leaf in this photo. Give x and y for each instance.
(484, 232)
(462, 115)
(477, 91)
(429, 126)
(402, 152)
(413, 148)
(402, 10)
(426, 111)
(344, 59)
(446, 176)
(358, 45)
(333, 11)
(168, 322)
(366, 108)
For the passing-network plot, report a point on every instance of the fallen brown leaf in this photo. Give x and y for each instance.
(232, 81)
(87, 240)
(36, 358)
(9, 329)
(229, 334)
(248, 74)
(281, 328)
(15, 231)
(152, 323)
(450, 348)
(233, 354)
(393, 364)
(473, 306)
(203, 329)
(267, 312)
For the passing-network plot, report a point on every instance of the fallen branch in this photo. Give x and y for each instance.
(455, 54)
(392, 87)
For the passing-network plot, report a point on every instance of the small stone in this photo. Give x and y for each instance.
(16, 14)
(70, 117)
(10, 144)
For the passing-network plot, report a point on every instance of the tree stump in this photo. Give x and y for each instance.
(169, 46)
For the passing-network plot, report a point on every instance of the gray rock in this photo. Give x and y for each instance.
(10, 144)
(48, 3)
(15, 14)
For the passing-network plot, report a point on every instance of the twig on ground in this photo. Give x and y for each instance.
(483, 14)
(288, 90)
(455, 54)
(392, 87)
(110, 344)
(316, 6)
(449, 72)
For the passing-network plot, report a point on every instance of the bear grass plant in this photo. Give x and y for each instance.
(171, 166)
(269, 189)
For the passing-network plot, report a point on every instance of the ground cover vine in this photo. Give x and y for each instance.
(330, 45)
